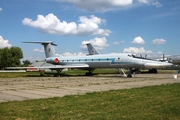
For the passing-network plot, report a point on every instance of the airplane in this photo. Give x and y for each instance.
(91, 49)
(175, 59)
(90, 62)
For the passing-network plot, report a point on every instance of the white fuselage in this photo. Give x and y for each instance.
(121, 60)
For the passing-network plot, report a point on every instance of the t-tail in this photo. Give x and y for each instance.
(91, 49)
(48, 48)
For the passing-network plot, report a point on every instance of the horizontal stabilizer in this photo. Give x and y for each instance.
(48, 48)
(42, 43)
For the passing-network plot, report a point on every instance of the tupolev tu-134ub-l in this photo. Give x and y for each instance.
(91, 62)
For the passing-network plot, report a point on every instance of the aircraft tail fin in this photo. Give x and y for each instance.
(91, 49)
(48, 48)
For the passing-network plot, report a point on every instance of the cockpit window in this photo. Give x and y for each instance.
(132, 55)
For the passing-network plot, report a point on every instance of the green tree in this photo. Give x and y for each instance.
(1, 51)
(10, 57)
(5, 58)
(16, 55)
(26, 63)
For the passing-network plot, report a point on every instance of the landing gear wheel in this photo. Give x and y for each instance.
(57, 75)
(153, 70)
(129, 76)
(41, 74)
(88, 74)
(129, 73)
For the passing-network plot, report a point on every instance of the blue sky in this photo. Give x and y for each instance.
(135, 26)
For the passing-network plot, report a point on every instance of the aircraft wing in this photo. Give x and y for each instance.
(53, 66)
(64, 66)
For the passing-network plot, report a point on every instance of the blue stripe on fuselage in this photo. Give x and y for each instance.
(111, 60)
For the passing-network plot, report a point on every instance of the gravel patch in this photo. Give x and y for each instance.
(19, 89)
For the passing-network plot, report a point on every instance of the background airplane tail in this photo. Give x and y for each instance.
(91, 49)
(48, 48)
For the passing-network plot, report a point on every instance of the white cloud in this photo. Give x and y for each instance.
(159, 52)
(142, 52)
(151, 2)
(138, 40)
(4, 43)
(155, 55)
(143, 1)
(98, 43)
(135, 50)
(108, 5)
(52, 25)
(117, 43)
(38, 50)
(1, 9)
(33, 59)
(159, 41)
(157, 4)
(73, 54)
(122, 42)
(99, 5)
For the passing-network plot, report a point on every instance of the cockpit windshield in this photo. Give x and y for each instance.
(132, 55)
(138, 57)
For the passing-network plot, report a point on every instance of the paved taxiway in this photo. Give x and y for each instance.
(19, 89)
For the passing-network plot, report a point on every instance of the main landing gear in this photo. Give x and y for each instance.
(58, 73)
(153, 70)
(41, 74)
(89, 73)
(130, 72)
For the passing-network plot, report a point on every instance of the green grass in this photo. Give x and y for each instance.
(75, 72)
(95, 72)
(147, 103)
(18, 74)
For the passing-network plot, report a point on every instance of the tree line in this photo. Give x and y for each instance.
(10, 57)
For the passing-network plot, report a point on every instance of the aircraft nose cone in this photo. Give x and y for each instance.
(157, 65)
